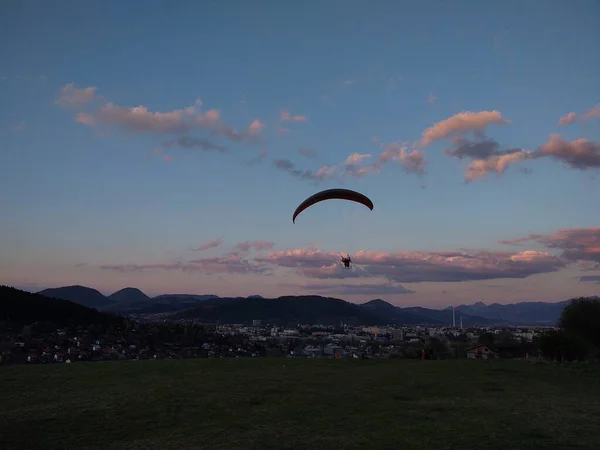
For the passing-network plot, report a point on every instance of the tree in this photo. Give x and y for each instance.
(582, 316)
(487, 339)
(562, 345)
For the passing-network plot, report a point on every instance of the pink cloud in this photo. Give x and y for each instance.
(256, 245)
(256, 126)
(487, 156)
(461, 123)
(577, 244)
(167, 158)
(479, 168)
(583, 117)
(140, 119)
(71, 97)
(208, 245)
(285, 116)
(578, 154)
(404, 266)
(431, 99)
(411, 161)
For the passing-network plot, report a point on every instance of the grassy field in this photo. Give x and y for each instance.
(315, 404)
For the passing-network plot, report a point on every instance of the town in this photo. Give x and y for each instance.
(159, 339)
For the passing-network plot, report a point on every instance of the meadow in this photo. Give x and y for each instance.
(300, 404)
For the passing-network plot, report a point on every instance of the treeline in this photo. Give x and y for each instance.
(24, 308)
(578, 336)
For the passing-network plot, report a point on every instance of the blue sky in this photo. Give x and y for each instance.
(108, 203)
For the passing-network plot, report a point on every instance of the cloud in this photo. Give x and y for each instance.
(286, 116)
(288, 166)
(463, 122)
(578, 154)
(406, 267)
(487, 156)
(590, 279)
(258, 159)
(411, 161)
(583, 117)
(17, 128)
(140, 119)
(74, 98)
(194, 142)
(208, 245)
(358, 289)
(307, 152)
(229, 264)
(431, 99)
(577, 244)
(258, 246)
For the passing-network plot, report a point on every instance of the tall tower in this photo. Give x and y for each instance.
(453, 318)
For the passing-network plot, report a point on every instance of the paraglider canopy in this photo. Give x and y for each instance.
(329, 194)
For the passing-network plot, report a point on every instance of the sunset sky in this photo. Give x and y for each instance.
(164, 145)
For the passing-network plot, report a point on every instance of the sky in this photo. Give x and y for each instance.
(165, 145)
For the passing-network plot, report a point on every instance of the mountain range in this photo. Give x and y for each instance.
(305, 309)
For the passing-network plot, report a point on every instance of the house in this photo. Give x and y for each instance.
(481, 351)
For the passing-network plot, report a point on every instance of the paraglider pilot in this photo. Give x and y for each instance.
(346, 261)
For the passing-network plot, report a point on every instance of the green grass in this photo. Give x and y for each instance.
(314, 404)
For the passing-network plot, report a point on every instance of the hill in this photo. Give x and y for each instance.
(26, 308)
(166, 303)
(390, 313)
(283, 310)
(79, 294)
(129, 295)
(525, 313)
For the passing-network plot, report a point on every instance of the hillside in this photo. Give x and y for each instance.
(129, 295)
(390, 313)
(282, 310)
(25, 308)
(79, 294)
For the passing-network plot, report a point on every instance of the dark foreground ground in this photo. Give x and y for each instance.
(315, 404)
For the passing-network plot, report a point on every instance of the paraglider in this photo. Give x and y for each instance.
(331, 194)
(346, 261)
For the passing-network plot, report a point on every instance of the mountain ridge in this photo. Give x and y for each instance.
(133, 301)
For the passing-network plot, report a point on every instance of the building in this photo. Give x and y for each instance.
(481, 351)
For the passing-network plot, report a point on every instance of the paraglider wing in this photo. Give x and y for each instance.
(341, 194)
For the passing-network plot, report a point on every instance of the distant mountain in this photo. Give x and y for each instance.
(26, 308)
(526, 313)
(444, 316)
(133, 301)
(79, 294)
(389, 313)
(129, 295)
